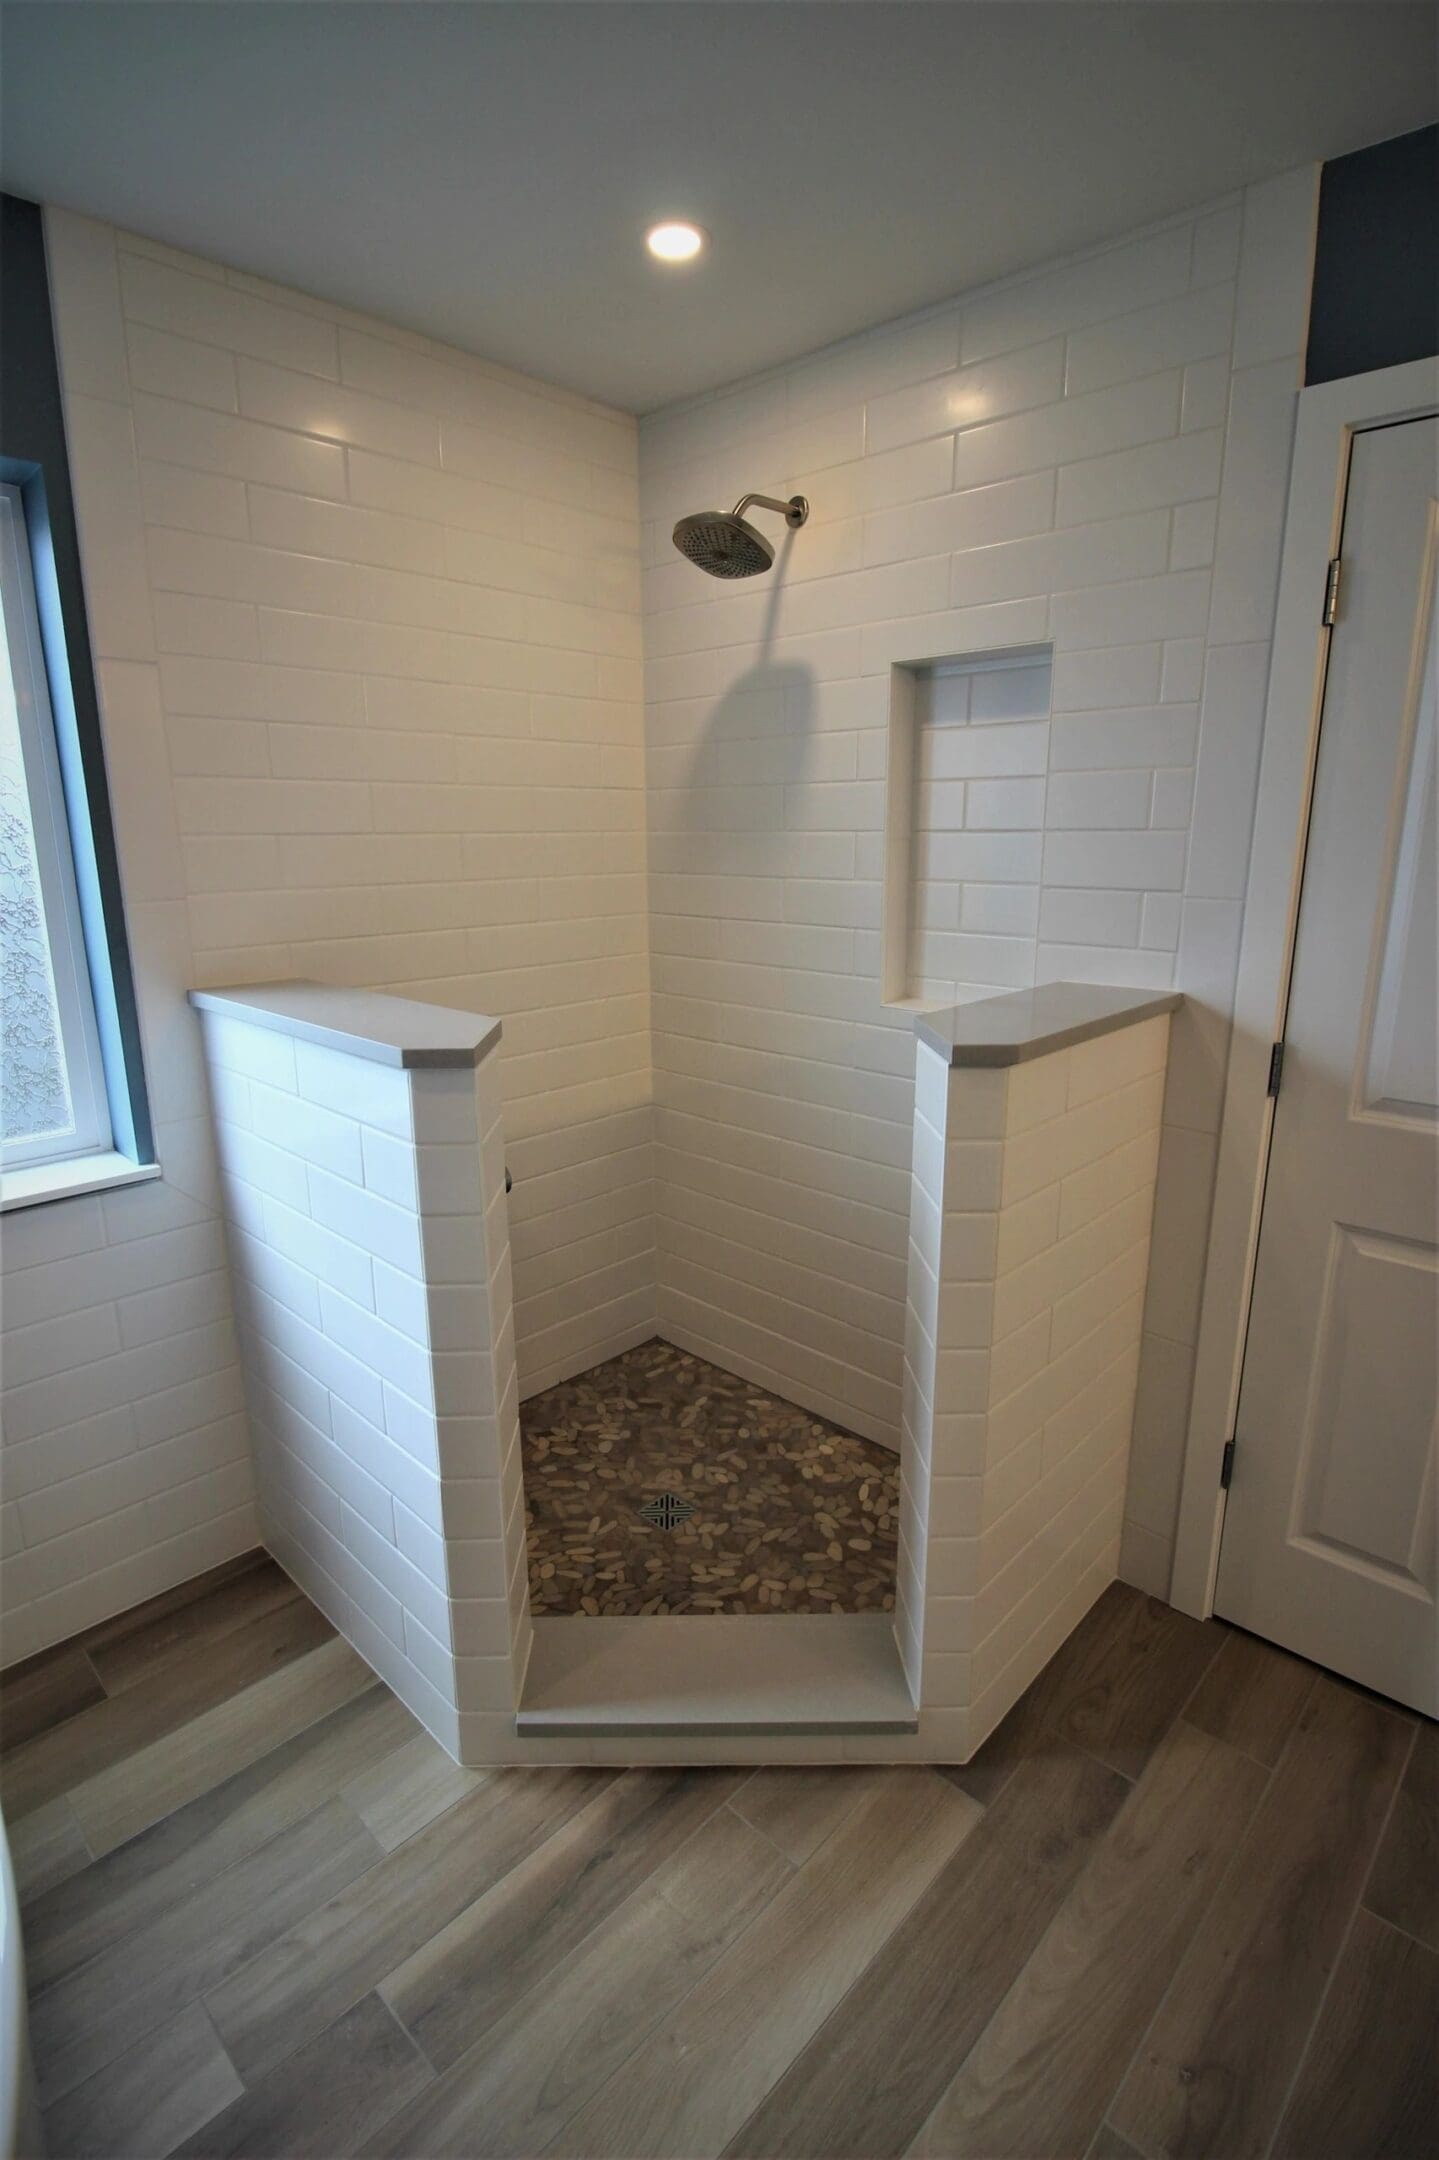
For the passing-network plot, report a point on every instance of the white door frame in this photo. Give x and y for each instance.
(1330, 414)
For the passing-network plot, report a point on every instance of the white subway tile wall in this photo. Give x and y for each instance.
(1030, 1207)
(371, 1264)
(1092, 458)
(365, 614)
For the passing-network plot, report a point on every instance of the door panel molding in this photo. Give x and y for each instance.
(1332, 1392)
(1330, 416)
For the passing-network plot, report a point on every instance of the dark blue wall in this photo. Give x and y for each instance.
(1376, 265)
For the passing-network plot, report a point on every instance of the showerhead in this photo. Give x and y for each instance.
(728, 546)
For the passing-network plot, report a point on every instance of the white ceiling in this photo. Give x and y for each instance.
(483, 172)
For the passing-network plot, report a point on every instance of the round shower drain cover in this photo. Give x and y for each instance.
(667, 1510)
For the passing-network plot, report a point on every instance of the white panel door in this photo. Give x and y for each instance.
(1329, 1532)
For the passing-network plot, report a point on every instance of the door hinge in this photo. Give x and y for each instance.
(1226, 1468)
(1276, 1068)
(1331, 594)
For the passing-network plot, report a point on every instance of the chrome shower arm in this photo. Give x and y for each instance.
(794, 512)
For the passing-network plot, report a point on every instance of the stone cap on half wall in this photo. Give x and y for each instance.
(364, 1023)
(1027, 1024)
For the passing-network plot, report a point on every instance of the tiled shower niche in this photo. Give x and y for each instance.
(964, 837)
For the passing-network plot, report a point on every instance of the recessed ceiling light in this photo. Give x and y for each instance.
(674, 241)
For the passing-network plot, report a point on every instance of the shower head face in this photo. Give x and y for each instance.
(724, 545)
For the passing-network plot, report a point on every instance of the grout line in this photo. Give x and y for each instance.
(105, 1692)
(1182, 1711)
(221, 2047)
(730, 1808)
(1394, 1928)
(380, 1996)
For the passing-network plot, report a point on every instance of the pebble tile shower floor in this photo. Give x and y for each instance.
(790, 1513)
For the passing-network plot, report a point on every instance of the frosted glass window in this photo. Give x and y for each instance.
(52, 1093)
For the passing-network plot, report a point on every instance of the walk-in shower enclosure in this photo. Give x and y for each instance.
(362, 1155)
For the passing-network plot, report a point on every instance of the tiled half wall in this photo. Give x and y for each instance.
(370, 1252)
(1031, 1203)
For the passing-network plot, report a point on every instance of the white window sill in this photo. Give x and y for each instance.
(67, 1180)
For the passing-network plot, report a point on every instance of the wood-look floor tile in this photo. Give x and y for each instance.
(1115, 1686)
(145, 1644)
(521, 2083)
(343, 1947)
(154, 2095)
(1080, 1663)
(1121, 1689)
(94, 2015)
(47, 1847)
(994, 1763)
(119, 1726)
(408, 1788)
(1084, 1667)
(708, 2065)
(205, 1751)
(43, 1692)
(1038, 2079)
(1251, 1695)
(868, 2081)
(137, 1882)
(1213, 2072)
(542, 1928)
(325, 2099)
(701, 1873)
(1404, 1885)
(1369, 2088)
(799, 1808)
(463, 1979)
(193, 1591)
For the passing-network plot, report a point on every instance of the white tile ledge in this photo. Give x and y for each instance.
(1027, 1024)
(362, 1023)
(68, 1180)
(696, 1675)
